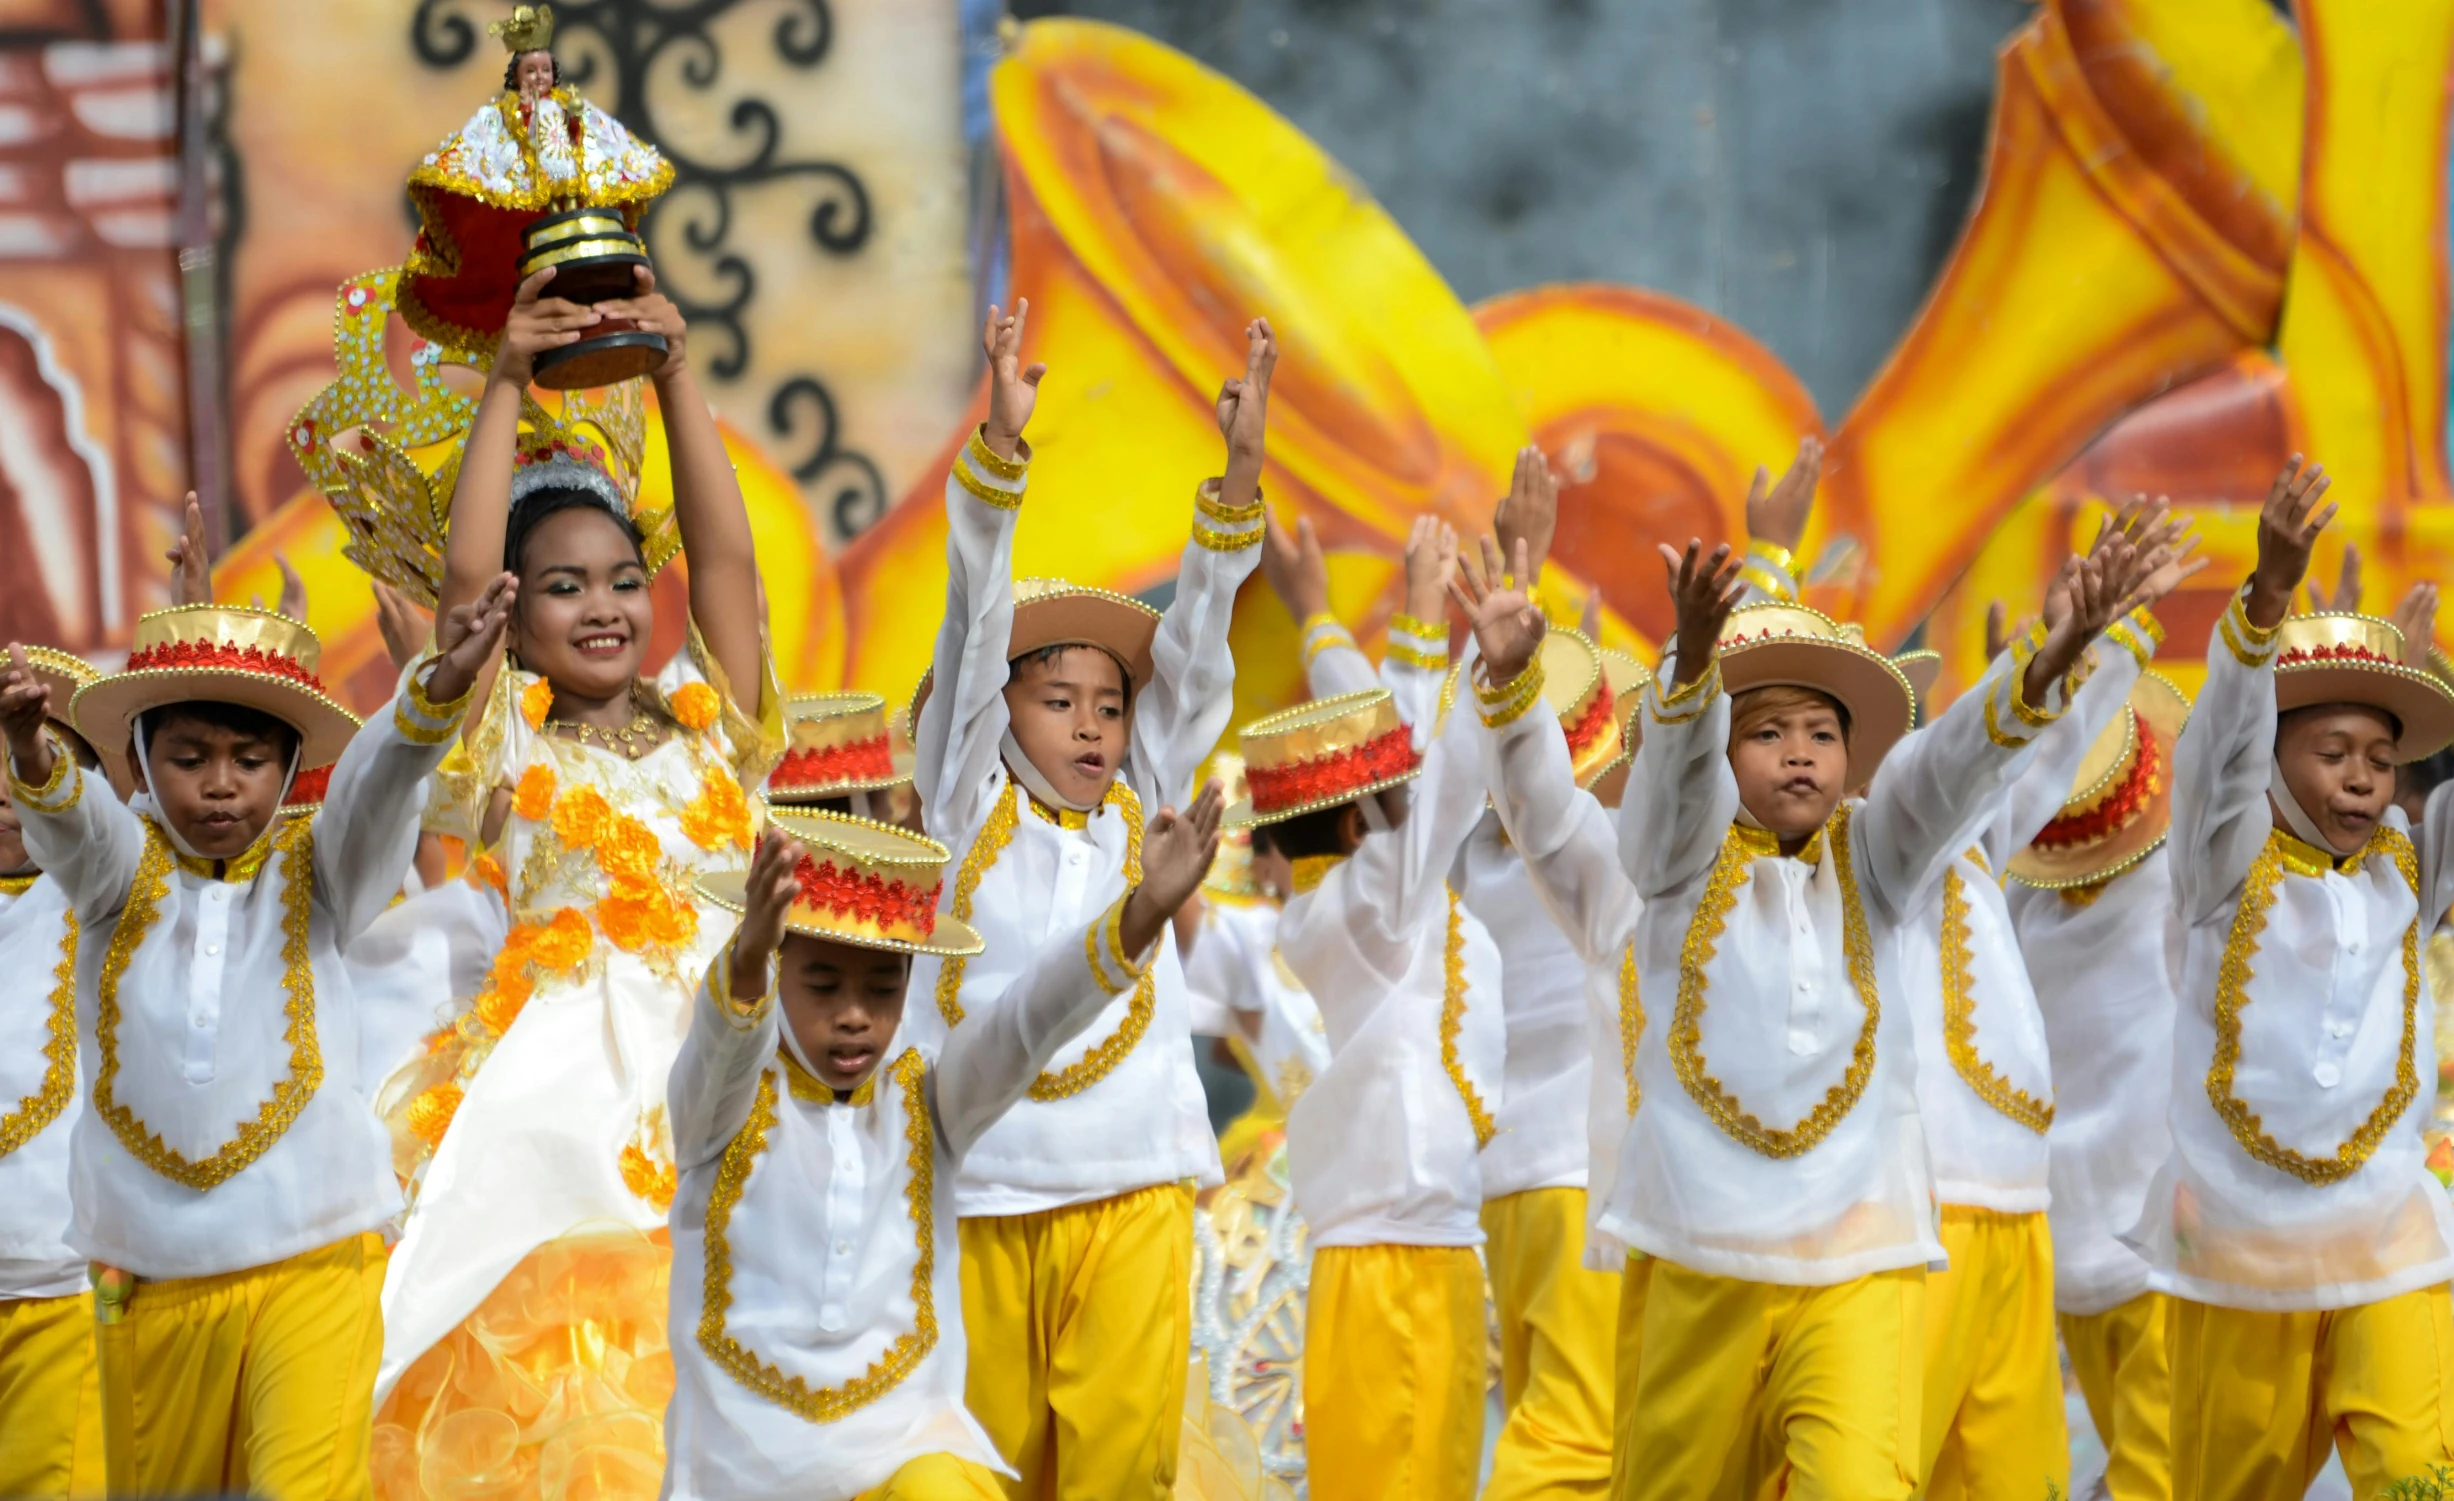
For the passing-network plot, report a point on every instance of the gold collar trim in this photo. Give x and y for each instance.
(809, 1089)
(238, 870)
(19, 885)
(1453, 1022)
(1063, 818)
(1309, 871)
(2305, 859)
(1764, 844)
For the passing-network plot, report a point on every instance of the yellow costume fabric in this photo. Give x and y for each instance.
(1080, 1325)
(260, 1381)
(1731, 1389)
(1992, 1423)
(1395, 1368)
(1558, 1325)
(2258, 1397)
(2121, 1359)
(50, 1406)
(937, 1477)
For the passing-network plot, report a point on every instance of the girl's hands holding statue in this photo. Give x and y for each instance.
(540, 321)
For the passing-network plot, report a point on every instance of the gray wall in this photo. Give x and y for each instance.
(1800, 167)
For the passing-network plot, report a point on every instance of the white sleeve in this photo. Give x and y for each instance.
(714, 1081)
(955, 742)
(366, 833)
(1182, 711)
(1413, 674)
(1681, 795)
(80, 834)
(2045, 785)
(2435, 838)
(2221, 768)
(1563, 835)
(989, 1062)
(1407, 868)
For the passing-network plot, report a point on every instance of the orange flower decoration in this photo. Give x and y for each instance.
(719, 815)
(695, 705)
(580, 817)
(647, 1178)
(485, 870)
(537, 702)
(533, 799)
(628, 850)
(506, 993)
(430, 1114)
(563, 944)
(641, 915)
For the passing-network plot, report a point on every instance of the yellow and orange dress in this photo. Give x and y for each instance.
(525, 1347)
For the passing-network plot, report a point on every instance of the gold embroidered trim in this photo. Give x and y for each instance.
(809, 1089)
(1764, 844)
(1668, 705)
(1221, 512)
(1993, 723)
(989, 459)
(1687, 1022)
(1306, 872)
(1453, 1021)
(1774, 584)
(41, 1108)
(1409, 656)
(2250, 645)
(994, 836)
(39, 799)
(2138, 633)
(1504, 704)
(2232, 981)
(1218, 541)
(296, 844)
(1321, 633)
(1631, 1023)
(423, 721)
(986, 493)
(1960, 1020)
(1772, 554)
(19, 885)
(240, 868)
(1403, 624)
(743, 1364)
(2305, 859)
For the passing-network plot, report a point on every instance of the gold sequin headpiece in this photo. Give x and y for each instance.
(529, 28)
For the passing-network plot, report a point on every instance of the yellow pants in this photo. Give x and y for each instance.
(50, 1405)
(1080, 1323)
(1992, 1424)
(1395, 1367)
(2257, 1397)
(261, 1381)
(1749, 1389)
(937, 1477)
(2120, 1359)
(1558, 1324)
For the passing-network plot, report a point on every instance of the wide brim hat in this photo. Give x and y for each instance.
(1230, 877)
(1052, 612)
(864, 883)
(1923, 669)
(1775, 645)
(1577, 688)
(837, 744)
(220, 654)
(2121, 802)
(66, 674)
(1320, 755)
(307, 791)
(2342, 658)
(1628, 679)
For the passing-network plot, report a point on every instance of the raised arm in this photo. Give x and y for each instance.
(1681, 795)
(1777, 514)
(2224, 761)
(1179, 716)
(366, 833)
(1562, 834)
(990, 1061)
(956, 737)
(733, 1020)
(79, 834)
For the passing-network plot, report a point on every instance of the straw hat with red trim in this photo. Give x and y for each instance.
(1577, 685)
(1627, 679)
(1052, 612)
(1231, 871)
(2342, 658)
(2121, 802)
(64, 674)
(1321, 755)
(1768, 645)
(307, 791)
(220, 654)
(864, 883)
(839, 744)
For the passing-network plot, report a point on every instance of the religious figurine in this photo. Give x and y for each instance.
(537, 177)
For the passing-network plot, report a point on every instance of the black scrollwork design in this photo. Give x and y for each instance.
(634, 57)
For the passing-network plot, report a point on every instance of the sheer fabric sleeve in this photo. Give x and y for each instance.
(955, 739)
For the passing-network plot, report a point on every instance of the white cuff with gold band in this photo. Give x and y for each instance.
(2138, 633)
(1321, 632)
(1225, 528)
(1103, 948)
(49, 797)
(420, 720)
(992, 481)
(2251, 646)
(1769, 567)
(1419, 643)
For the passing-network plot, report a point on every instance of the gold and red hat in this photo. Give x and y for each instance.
(1768, 645)
(1577, 684)
(220, 654)
(1230, 879)
(307, 790)
(2121, 802)
(2342, 658)
(1627, 679)
(1320, 755)
(65, 674)
(838, 744)
(864, 883)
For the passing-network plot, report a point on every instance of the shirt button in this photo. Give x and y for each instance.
(2340, 1029)
(1073, 857)
(843, 1248)
(2353, 947)
(212, 949)
(216, 894)
(1806, 987)
(2327, 1075)
(831, 1317)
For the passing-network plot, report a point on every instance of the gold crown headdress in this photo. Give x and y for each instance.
(388, 458)
(529, 28)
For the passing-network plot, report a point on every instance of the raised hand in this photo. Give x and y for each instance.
(2288, 526)
(1431, 560)
(1777, 513)
(25, 702)
(1589, 619)
(766, 902)
(405, 627)
(293, 590)
(2346, 597)
(1243, 411)
(469, 638)
(1501, 610)
(535, 324)
(191, 562)
(1529, 513)
(655, 313)
(1704, 590)
(1997, 629)
(2168, 547)
(2416, 618)
(1013, 388)
(1292, 562)
(2107, 584)
(1177, 850)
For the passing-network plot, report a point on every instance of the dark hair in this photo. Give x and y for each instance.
(1263, 840)
(2424, 776)
(1047, 656)
(238, 719)
(80, 749)
(535, 508)
(511, 68)
(1307, 834)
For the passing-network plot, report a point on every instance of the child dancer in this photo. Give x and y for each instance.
(1774, 1174)
(819, 1148)
(1053, 716)
(531, 1269)
(2091, 902)
(50, 1409)
(2295, 1224)
(239, 1267)
(1383, 1146)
